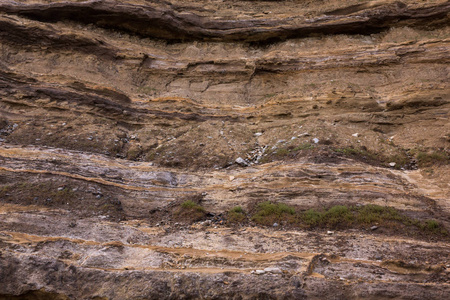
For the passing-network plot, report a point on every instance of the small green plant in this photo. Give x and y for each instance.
(237, 209)
(432, 224)
(236, 215)
(268, 213)
(189, 204)
(338, 214)
(312, 217)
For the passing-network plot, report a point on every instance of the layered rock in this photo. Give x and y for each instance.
(112, 113)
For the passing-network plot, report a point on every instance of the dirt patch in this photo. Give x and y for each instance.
(53, 192)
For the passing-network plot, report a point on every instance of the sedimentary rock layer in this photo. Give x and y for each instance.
(114, 114)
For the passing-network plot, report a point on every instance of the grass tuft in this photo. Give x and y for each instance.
(189, 204)
(190, 211)
(236, 215)
(425, 159)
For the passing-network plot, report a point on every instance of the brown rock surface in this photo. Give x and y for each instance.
(115, 114)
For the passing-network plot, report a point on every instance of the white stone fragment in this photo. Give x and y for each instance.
(273, 270)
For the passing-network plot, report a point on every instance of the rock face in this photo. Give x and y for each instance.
(139, 138)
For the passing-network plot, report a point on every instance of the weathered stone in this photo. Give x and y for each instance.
(273, 270)
(240, 161)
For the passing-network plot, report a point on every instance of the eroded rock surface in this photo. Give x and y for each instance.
(117, 115)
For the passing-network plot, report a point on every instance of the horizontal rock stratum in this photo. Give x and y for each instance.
(224, 149)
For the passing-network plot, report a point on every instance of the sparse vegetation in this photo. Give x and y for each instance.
(370, 214)
(282, 152)
(432, 224)
(269, 95)
(338, 216)
(290, 151)
(134, 152)
(146, 90)
(236, 215)
(4, 190)
(357, 152)
(354, 216)
(400, 159)
(304, 146)
(426, 159)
